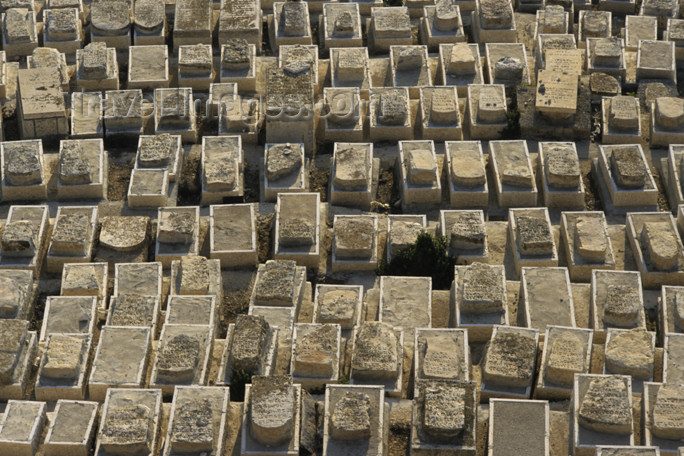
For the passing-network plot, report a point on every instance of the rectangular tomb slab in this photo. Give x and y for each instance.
(69, 314)
(390, 114)
(149, 188)
(82, 169)
(586, 243)
(466, 233)
(409, 67)
(316, 354)
(663, 418)
(406, 302)
(232, 235)
(421, 184)
(355, 242)
(148, 67)
(199, 420)
(63, 367)
(339, 304)
(350, 67)
(196, 275)
(138, 278)
(621, 117)
(402, 232)
(440, 114)
(86, 115)
(352, 175)
(630, 352)
(177, 233)
(441, 354)
(518, 426)
(545, 298)
(297, 228)
(72, 429)
(355, 421)
(466, 174)
(123, 114)
(23, 238)
(160, 151)
(562, 182)
(625, 178)
(123, 239)
(284, 170)
(22, 427)
(616, 301)
(513, 173)
(17, 293)
(486, 110)
(130, 422)
(72, 236)
(460, 66)
(567, 351)
(192, 310)
(532, 238)
(673, 359)
(279, 283)
(17, 347)
(120, 360)
(222, 168)
(344, 119)
(377, 356)
(671, 311)
(131, 309)
(22, 167)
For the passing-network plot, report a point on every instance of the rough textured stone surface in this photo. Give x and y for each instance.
(194, 275)
(668, 412)
(133, 310)
(630, 353)
(354, 237)
(63, 357)
(483, 289)
(73, 168)
(590, 239)
(376, 356)
(566, 357)
(178, 358)
(562, 168)
(468, 232)
(669, 113)
(510, 359)
(71, 234)
(128, 428)
(444, 410)
(350, 418)
(13, 336)
(509, 69)
(276, 281)
(351, 172)
(337, 306)
(392, 110)
(316, 352)
(19, 237)
(628, 168)
(12, 297)
(192, 426)
(282, 160)
(496, 14)
(297, 232)
(622, 307)
(441, 358)
(22, 164)
(272, 410)
(661, 245)
(421, 167)
(123, 234)
(176, 227)
(251, 336)
(533, 235)
(605, 407)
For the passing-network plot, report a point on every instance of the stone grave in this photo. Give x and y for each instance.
(562, 183)
(343, 118)
(174, 113)
(110, 22)
(638, 28)
(279, 283)
(271, 416)
(593, 24)
(148, 67)
(545, 299)
(63, 367)
(62, 29)
(195, 67)
(18, 293)
(601, 412)
(419, 175)
(193, 23)
(606, 55)
(441, 23)
(182, 356)
(671, 311)
(47, 57)
(390, 114)
(149, 23)
(466, 174)
(355, 421)
(486, 111)
(285, 170)
(353, 174)
(73, 236)
(616, 301)
(673, 370)
(198, 422)
(233, 235)
(134, 310)
(160, 151)
(177, 233)
(563, 42)
(289, 24)
(627, 450)
(478, 300)
(350, 67)
(241, 20)
(552, 19)
(405, 302)
(123, 239)
(238, 64)
(316, 353)
(675, 34)
(667, 121)
(377, 356)
(22, 427)
(466, 232)
(123, 113)
(240, 115)
(83, 169)
(297, 228)
(222, 168)
(409, 67)
(621, 119)
(86, 279)
(389, 27)
(440, 355)
(17, 350)
(250, 349)
(402, 232)
(69, 315)
(149, 188)
(663, 419)
(625, 180)
(196, 275)
(72, 428)
(19, 32)
(222, 93)
(41, 108)
(493, 21)
(440, 114)
(444, 418)
(355, 243)
(586, 243)
(23, 238)
(508, 364)
(657, 248)
(630, 352)
(340, 25)
(97, 68)
(507, 64)
(192, 310)
(656, 60)
(567, 352)
(518, 426)
(130, 422)
(531, 238)
(460, 66)
(120, 360)
(86, 115)
(339, 304)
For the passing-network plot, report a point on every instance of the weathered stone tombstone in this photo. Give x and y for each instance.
(192, 310)
(239, 115)
(193, 23)
(195, 67)
(389, 27)
(441, 23)
(19, 36)
(562, 183)
(233, 235)
(196, 275)
(18, 293)
(73, 236)
(63, 30)
(466, 232)
(86, 115)
(297, 228)
(199, 420)
(586, 243)
(177, 233)
(72, 428)
(601, 412)
(440, 355)
(606, 55)
(289, 24)
(627, 450)
(148, 67)
(69, 315)
(285, 170)
(390, 114)
(355, 421)
(41, 108)
(18, 349)
(279, 283)
(355, 243)
(409, 67)
(593, 24)
(405, 302)
(149, 23)
(241, 20)
(110, 22)
(130, 422)
(508, 365)
(419, 174)
(222, 168)
(657, 248)
(340, 25)
(86, 279)
(545, 298)
(639, 28)
(316, 353)
(344, 118)
(350, 67)
(238, 64)
(377, 356)
(675, 33)
(83, 169)
(402, 232)
(150, 188)
(630, 352)
(567, 352)
(63, 367)
(271, 416)
(120, 360)
(353, 175)
(97, 68)
(134, 310)
(160, 151)
(222, 93)
(440, 116)
(507, 64)
(625, 180)
(493, 21)
(460, 66)
(667, 121)
(486, 111)
(22, 427)
(663, 420)
(123, 113)
(621, 118)
(552, 19)
(174, 113)
(616, 301)
(671, 311)
(478, 300)
(47, 57)
(466, 174)
(23, 238)
(339, 304)
(558, 100)
(656, 60)
(673, 372)
(566, 45)
(123, 239)
(518, 424)
(532, 238)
